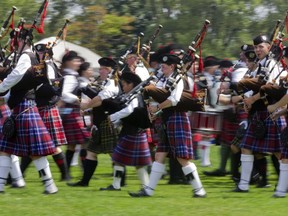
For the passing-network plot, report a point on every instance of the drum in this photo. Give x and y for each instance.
(206, 122)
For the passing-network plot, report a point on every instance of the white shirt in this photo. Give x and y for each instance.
(23, 64)
(109, 90)
(176, 94)
(124, 112)
(142, 72)
(69, 85)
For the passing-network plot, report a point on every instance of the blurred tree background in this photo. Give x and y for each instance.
(110, 27)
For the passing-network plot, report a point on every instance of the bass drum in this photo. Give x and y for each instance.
(209, 122)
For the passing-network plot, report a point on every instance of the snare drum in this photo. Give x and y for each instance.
(206, 122)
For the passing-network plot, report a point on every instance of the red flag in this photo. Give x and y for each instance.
(40, 28)
(12, 21)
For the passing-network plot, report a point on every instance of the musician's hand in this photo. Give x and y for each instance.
(271, 108)
(152, 109)
(248, 103)
(277, 113)
(82, 112)
(236, 99)
(244, 123)
(84, 106)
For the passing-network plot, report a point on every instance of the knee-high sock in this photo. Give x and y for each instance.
(15, 171)
(235, 164)
(205, 152)
(69, 156)
(157, 170)
(143, 175)
(282, 185)
(191, 173)
(246, 169)
(118, 172)
(89, 169)
(123, 178)
(83, 154)
(42, 166)
(61, 162)
(276, 164)
(261, 166)
(225, 152)
(25, 161)
(5, 165)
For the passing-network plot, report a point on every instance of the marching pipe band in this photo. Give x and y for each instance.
(262, 83)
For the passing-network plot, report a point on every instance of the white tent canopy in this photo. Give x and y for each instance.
(61, 47)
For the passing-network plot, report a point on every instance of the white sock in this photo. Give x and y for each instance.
(205, 153)
(282, 185)
(195, 181)
(157, 170)
(246, 170)
(143, 175)
(15, 172)
(5, 164)
(118, 173)
(42, 166)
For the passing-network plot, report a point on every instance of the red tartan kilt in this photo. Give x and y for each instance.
(53, 122)
(132, 150)
(271, 142)
(33, 138)
(74, 128)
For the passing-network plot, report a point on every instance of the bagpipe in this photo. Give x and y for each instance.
(5, 31)
(139, 117)
(275, 52)
(187, 101)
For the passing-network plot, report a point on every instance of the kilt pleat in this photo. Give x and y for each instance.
(104, 141)
(32, 138)
(178, 131)
(53, 122)
(74, 128)
(271, 142)
(132, 150)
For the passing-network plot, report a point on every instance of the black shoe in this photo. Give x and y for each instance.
(214, 173)
(110, 188)
(140, 193)
(77, 184)
(237, 189)
(263, 184)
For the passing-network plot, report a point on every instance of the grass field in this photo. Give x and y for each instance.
(168, 199)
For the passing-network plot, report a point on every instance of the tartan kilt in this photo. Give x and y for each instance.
(271, 142)
(228, 132)
(5, 112)
(132, 150)
(53, 122)
(73, 125)
(32, 137)
(179, 137)
(105, 140)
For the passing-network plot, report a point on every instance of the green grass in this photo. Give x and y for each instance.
(168, 199)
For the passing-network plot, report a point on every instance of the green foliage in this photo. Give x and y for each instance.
(109, 27)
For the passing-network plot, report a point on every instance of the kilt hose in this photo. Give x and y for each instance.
(271, 141)
(132, 150)
(179, 135)
(32, 137)
(53, 122)
(73, 125)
